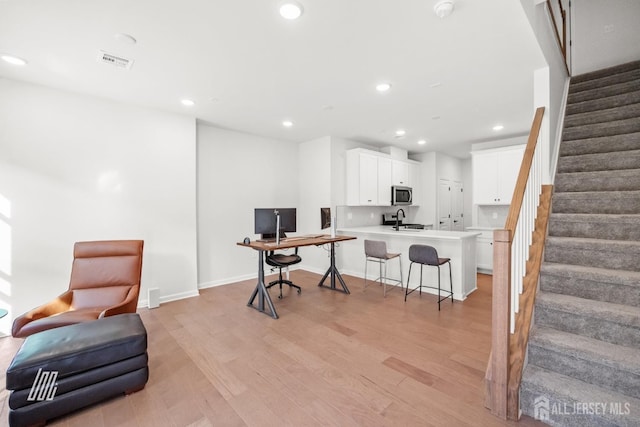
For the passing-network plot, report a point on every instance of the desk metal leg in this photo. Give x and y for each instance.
(334, 273)
(261, 290)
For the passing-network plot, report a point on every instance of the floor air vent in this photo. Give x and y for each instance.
(117, 61)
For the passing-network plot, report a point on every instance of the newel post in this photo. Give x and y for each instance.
(500, 315)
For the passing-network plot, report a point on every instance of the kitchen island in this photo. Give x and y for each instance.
(460, 246)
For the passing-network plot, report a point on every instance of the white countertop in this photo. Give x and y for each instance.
(387, 230)
(482, 228)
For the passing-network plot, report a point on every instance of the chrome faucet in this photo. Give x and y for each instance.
(397, 217)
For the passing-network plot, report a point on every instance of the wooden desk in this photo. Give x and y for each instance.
(293, 242)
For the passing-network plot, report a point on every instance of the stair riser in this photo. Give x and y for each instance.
(607, 144)
(528, 395)
(590, 289)
(603, 103)
(602, 116)
(620, 127)
(589, 256)
(593, 327)
(589, 371)
(604, 203)
(628, 180)
(599, 162)
(595, 230)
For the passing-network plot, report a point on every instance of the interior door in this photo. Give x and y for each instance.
(444, 205)
(457, 206)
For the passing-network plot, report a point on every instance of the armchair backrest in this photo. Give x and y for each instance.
(105, 272)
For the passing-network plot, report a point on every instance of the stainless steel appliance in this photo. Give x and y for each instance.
(401, 195)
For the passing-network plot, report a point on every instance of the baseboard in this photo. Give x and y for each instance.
(168, 298)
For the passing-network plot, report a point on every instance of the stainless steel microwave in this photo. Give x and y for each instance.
(401, 195)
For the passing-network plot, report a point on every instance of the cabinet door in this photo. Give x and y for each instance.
(415, 183)
(485, 179)
(368, 179)
(508, 169)
(400, 173)
(484, 253)
(384, 181)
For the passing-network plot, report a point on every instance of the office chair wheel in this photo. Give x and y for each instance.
(299, 290)
(279, 296)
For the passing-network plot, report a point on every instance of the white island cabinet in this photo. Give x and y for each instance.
(460, 246)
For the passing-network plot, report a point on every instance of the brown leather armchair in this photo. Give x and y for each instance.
(105, 281)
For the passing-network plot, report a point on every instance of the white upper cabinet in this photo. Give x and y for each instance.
(495, 173)
(370, 176)
(400, 173)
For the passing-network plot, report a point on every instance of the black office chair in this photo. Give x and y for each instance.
(279, 261)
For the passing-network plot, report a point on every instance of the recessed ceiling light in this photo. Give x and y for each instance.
(401, 132)
(291, 10)
(383, 87)
(422, 142)
(188, 103)
(498, 127)
(287, 123)
(13, 60)
(435, 117)
(436, 84)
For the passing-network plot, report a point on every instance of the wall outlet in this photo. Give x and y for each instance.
(349, 216)
(495, 215)
(371, 215)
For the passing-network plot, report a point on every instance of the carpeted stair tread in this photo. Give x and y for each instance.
(596, 226)
(600, 161)
(608, 75)
(604, 144)
(594, 130)
(597, 202)
(607, 180)
(608, 365)
(597, 90)
(613, 254)
(568, 393)
(605, 321)
(602, 116)
(598, 284)
(604, 103)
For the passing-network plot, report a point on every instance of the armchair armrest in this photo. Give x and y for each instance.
(61, 304)
(129, 305)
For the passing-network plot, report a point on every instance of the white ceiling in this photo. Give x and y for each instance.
(248, 69)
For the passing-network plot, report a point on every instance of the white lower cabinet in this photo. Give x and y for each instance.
(484, 249)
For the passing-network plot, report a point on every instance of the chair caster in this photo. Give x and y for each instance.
(279, 296)
(299, 290)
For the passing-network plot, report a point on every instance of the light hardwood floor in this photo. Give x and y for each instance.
(330, 360)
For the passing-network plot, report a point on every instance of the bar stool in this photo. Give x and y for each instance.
(427, 255)
(376, 251)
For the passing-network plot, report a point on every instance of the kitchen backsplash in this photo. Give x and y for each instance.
(360, 216)
(492, 216)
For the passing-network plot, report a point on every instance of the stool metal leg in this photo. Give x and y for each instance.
(439, 288)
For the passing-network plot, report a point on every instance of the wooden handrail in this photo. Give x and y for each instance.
(523, 175)
(499, 395)
(562, 42)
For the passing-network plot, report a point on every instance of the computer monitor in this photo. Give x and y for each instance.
(325, 218)
(265, 221)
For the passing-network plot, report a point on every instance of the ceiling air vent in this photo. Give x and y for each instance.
(117, 61)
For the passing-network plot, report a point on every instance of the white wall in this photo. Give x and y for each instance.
(555, 85)
(238, 172)
(605, 33)
(76, 168)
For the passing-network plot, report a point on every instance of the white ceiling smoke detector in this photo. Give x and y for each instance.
(443, 8)
(115, 60)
